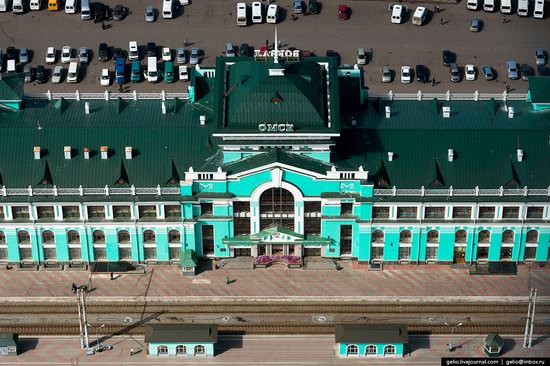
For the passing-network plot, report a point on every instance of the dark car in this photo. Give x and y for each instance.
(313, 7)
(448, 57)
(525, 71)
(40, 74)
(118, 53)
(487, 72)
(11, 53)
(543, 70)
(119, 12)
(103, 53)
(151, 49)
(244, 50)
(421, 73)
(100, 12)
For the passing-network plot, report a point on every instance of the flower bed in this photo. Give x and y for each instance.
(268, 259)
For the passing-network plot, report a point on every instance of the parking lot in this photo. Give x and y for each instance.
(209, 24)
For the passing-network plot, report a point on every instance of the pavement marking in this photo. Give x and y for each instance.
(201, 281)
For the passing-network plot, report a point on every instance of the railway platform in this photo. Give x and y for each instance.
(165, 282)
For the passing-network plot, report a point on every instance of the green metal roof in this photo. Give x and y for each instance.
(188, 258)
(539, 89)
(11, 86)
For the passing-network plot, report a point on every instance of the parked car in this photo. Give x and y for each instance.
(27, 71)
(455, 73)
(245, 50)
(100, 13)
(169, 76)
(386, 74)
(66, 52)
(421, 73)
(23, 55)
(118, 53)
(57, 74)
(50, 56)
(525, 72)
(166, 54)
(298, 7)
(103, 53)
(405, 74)
(313, 7)
(229, 50)
(151, 49)
(539, 56)
(475, 25)
(11, 53)
(196, 56)
(343, 12)
(361, 56)
(512, 68)
(149, 14)
(543, 70)
(133, 50)
(181, 58)
(487, 72)
(119, 12)
(470, 72)
(83, 55)
(105, 79)
(183, 73)
(40, 74)
(448, 57)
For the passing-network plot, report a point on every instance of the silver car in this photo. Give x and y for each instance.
(27, 71)
(386, 74)
(180, 55)
(83, 55)
(57, 74)
(455, 73)
(512, 68)
(539, 56)
(195, 57)
(23, 55)
(149, 14)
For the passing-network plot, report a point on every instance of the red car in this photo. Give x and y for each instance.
(343, 12)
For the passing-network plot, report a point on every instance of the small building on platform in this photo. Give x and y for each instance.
(187, 340)
(493, 345)
(188, 262)
(371, 340)
(8, 344)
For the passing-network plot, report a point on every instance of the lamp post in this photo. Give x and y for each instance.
(98, 345)
(451, 347)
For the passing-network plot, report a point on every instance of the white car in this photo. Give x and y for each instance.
(50, 55)
(405, 74)
(133, 53)
(166, 54)
(57, 74)
(470, 72)
(184, 75)
(105, 79)
(66, 52)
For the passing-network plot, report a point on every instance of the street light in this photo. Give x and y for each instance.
(451, 347)
(98, 345)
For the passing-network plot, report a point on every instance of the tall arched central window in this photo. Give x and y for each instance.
(277, 208)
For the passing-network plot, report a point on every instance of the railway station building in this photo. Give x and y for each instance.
(274, 156)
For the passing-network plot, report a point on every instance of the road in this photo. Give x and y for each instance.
(209, 24)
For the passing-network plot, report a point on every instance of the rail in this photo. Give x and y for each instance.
(468, 192)
(449, 96)
(81, 191)
(107, 95)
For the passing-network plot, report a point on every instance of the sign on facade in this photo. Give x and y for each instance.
(276, 127)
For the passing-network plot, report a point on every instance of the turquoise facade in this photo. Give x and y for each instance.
(180, 349)
(374, 349)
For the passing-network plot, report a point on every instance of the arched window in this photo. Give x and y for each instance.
(352, 350)
(405, 236)
(433, 236)
(277, 208)
(2, 238)
(73, 237)
(389, 350)
(460, 236)
(174, 236)
(98, 237)
(180, 349)
(48, 237)
(149, 236)
(162, 350)
(532, 236)
(199, 350)
(370, 350)
(123, 237)
(23, 237)
(508, 236)
(484, 236)
(377, 236)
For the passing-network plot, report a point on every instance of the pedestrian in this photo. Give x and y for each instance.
(503, 19)
(112, 276)
(185, 42)
(441, 21)
(508, 88)
(120, 90)
(74, 288)
(227, 280)
(131, 351)
(437, 8)
(279, 43)
(103, 25)
(433, 82)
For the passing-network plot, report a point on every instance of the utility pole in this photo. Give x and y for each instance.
(526, 334)
(532, 320)
(451, 347)
(82, 320)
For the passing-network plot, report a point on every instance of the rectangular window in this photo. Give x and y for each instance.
(3, 252)
(535, 212)
(482, 252)
(71, 212)
(147, 211)
(312, 218)
(346, 208)
(406, 212)
(241, 225)
(530, 252)
(96, 212)
(45, 212)
(121, 212)
(150, 253)
(462, 212)
(174, 253)
(506, 253)
(431, 253)
(2, 213)
(206, 208)
(510, 212)
(208, 239)
(25, 253)
(74, 253)
(486, 213)
(171, 211)
(125, 252)
(240, 208)
(20, 212)
(312, 208)
(345, 239)
(377, 252)
(404, 252)
(434, 213)
(49, 254)
(380, 212)
(100, 253)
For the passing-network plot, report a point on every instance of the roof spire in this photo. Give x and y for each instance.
(276, 60)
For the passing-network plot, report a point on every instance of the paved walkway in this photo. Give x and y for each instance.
(167, 281)
(261, 350)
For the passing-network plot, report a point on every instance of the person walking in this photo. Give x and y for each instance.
(103, 25)
(112, 276)
(227, 280)
(440, 21)
(74, 288)
(131, 352)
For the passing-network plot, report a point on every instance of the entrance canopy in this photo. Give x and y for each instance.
(276, 235)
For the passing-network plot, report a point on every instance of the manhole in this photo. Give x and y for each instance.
(320, 318)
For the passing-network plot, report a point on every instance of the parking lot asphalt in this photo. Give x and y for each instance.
(209, 24)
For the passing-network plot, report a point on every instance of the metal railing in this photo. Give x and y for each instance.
(81, 191)
(107, 95)
(448, 96)
(468, 192)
